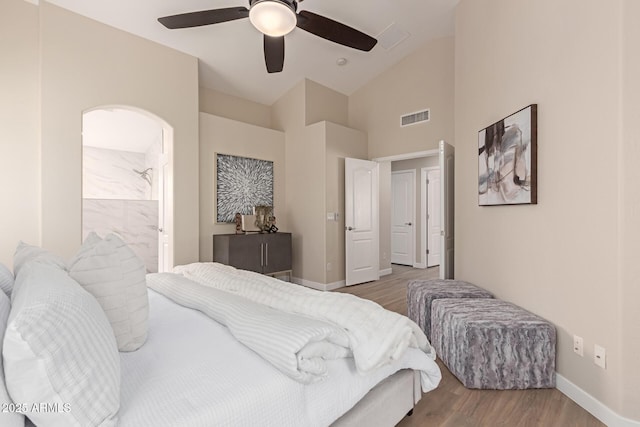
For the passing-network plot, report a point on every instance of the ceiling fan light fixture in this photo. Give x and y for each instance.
(272, 17)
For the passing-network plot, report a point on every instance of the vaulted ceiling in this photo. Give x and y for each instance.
(231, 56)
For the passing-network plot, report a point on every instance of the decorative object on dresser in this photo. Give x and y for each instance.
(261, 221)
(248, 224)
(266, 253)
(241, 184)
(507, 160)
(264, 217)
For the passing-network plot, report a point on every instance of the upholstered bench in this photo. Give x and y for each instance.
(493, 344)
(421, 293)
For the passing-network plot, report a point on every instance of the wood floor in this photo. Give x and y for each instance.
(451, 404)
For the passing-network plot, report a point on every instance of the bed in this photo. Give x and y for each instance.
(216, 381)
(219, 349)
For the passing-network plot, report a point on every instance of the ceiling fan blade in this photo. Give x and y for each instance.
(204, 17)
(274, 53)
(335, 31)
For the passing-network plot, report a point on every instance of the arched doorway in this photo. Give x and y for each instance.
(127, 176)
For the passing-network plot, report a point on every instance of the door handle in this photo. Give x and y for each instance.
(407, 223)
(261, 254)
(266, 254)
(349, 228)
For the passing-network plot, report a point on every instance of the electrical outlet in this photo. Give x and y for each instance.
(600, 356)
(578, 345)
(329, 266)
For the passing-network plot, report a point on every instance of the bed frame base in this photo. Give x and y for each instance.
(385, 404)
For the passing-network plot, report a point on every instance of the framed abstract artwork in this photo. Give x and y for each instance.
(241, 184)
(507, 160)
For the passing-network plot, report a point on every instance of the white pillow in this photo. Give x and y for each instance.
(59, 350)
(25, 253)
(10, 418)
(6, 280)
(116, 277)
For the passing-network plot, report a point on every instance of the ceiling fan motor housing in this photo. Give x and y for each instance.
(289, 3)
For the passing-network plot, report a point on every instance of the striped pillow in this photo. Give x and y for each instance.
(60, 355)
(7, 419)
(26, 253)
(6, 280)
(109, 270)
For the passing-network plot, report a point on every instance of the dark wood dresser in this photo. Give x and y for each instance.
(266, 253)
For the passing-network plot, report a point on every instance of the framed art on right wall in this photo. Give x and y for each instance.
(507, 160)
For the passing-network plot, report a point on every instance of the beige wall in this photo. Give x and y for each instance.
(219, 135)
(20, 124)
(84, 65)
(324, 104)
(384, 177)
(305, 156)
(423, 79)
(415, 165)
(564, 258)
(341, 142)
(315, 151)
(229, 106)
(629, 230)
(288, 112)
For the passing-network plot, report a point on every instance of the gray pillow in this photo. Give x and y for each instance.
(26, 253)
(59, 350)
(109, 270)
(7, 419)
(6, 280)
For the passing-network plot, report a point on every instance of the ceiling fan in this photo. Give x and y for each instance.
(274, 19)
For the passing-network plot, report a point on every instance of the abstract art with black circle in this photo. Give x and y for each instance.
(242, 183)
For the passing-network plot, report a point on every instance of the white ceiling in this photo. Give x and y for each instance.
(119, 129)
(231, 56)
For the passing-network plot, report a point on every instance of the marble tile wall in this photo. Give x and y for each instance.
(136, 221)
(117, 199)
(109, 174)
(152, 159)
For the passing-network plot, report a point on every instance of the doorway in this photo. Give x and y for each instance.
(127, 181)
(415, 221)
(430, 214)
(442, 160)
(403, 216)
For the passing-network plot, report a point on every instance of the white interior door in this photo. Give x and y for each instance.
(165, 204)
(361, 221)
(403, 195)
(447, 207)
(434, 225)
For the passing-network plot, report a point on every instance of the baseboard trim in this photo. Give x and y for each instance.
(385, 272)
(592, 405)
(318, 286)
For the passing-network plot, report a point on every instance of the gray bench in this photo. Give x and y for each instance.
(421, 293)
(493, 344)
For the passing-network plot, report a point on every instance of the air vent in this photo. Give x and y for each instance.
(391, 37)
(415, 118)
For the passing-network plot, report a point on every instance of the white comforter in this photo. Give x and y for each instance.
(192, 372)
(293, 327)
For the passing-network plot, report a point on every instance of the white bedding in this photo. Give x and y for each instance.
(375, 336)
(192, 372)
